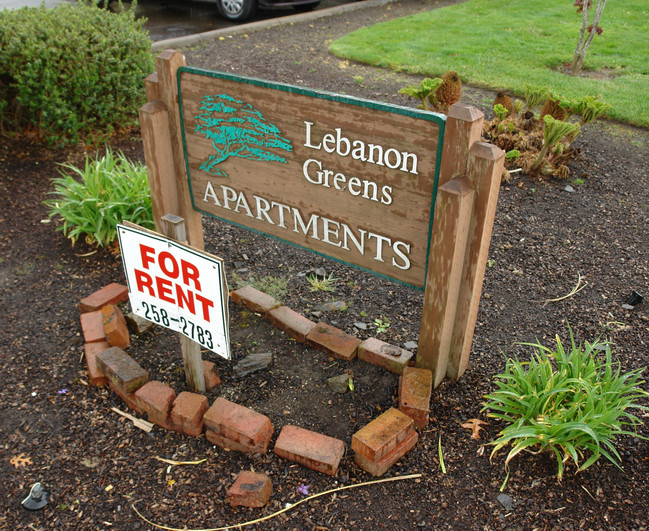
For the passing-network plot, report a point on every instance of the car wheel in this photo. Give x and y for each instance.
(236, 9)
(304, 8)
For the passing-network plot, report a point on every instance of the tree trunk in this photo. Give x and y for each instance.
(584, 42)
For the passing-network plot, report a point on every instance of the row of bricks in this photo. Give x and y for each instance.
(232, 426)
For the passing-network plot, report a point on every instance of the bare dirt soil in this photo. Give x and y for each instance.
(97, 465)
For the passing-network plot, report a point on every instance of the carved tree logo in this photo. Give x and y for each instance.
(237, 129)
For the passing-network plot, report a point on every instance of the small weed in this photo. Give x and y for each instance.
(490, 263)
(25, 269)
(275, 286)
(578, 182)
(358, 80)
(322, 284)
(381, 325)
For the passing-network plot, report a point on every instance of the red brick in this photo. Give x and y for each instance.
(92, 327)
(244, 426)
(96, 377)
(113, 293)
(250, 489)
(312, 450)
(115, 326)
(122, 370)
(295, 325)
(333, 341)
(155, 399)
(382, 465)
(187, 413)
(415, 388)
(128, 398)
(380, 353)
(378, 438)
(255, 300)
(210, 375)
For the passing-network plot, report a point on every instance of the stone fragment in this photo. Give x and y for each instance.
(92, 327)
(111, 294)
(334, 306)
(291, 322)
(333, 341)
(360, 325)
(210, 375)
(310, 449)
(415, 388)
(339, 384)
(96, 377)
(250, 489)
(252, 363)
(121, 370)
(115, 326)
(137, 324)
(383, 354)
(155, 399)
(237, 427)
(410, 345)
(255, 300)
(187, 413)
(506, 501)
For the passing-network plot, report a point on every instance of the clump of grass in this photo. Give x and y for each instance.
(92, 200)
(324, 283)
(572, 403)
(275, 286)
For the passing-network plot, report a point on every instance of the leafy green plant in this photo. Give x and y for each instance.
(72, 72)
(500, 112)
(425, 92)
(325, 283)
(92, 200)
(553, 131)
(381, 325)
(512, 155)
(572, 403)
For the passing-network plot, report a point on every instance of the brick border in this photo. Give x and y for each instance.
(236, 427)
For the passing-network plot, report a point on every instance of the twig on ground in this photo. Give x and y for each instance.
(574, 291)
(140, 423)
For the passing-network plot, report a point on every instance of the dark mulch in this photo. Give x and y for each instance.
(97, 465)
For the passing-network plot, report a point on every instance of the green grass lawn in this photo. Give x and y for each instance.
(506, 44)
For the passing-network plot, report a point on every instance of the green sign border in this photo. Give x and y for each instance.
(429, 116)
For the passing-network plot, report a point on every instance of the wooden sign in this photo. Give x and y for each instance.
(347, 178)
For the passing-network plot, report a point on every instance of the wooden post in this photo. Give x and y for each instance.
(167, 64)
(174, 227)
(445, 264)
(484, 171)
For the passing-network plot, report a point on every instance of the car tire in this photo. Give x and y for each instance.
(236, 10)
(305, 8)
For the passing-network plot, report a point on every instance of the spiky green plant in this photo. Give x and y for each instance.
(92, 200)
(534, 95)
(553, 131)
(591, 108)
(572, 403)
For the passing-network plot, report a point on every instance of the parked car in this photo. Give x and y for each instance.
(240, 10)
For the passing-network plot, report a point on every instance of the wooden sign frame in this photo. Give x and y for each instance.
(463, 188)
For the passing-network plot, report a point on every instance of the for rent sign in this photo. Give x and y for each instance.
(176, 286)
(348, 178)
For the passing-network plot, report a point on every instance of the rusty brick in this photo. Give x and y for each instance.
(333, 341)
(255, 300)
(187, 413)
(312, 450)
(210, 375)
(155, 399)
(115, 327)
(381, 466)
(378, 438)
(113, 293)
(295, 325)
(122, 370)
(96, 377)
(250, 489)
(380, 353)
(128, 398)
(239, 424)
(415, 388)
(92, 327)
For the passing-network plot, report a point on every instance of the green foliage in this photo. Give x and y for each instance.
(94, 199)
(425, 92)
(381, 325)
(275, 286)
(534, 95)
(321, 283)
(72, 72)
(500, 112)
(572, 403)
(470, 37)
(555, 130)
(512, 155)
(591, 108)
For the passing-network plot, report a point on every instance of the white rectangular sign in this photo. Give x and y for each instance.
(176, 286)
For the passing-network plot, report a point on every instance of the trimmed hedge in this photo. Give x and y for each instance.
(73, 72)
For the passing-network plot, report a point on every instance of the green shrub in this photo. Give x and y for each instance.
(72, 72)
(571, 403)
(111, 189)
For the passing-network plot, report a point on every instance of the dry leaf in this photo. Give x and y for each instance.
(19, 461)
(475, 426)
